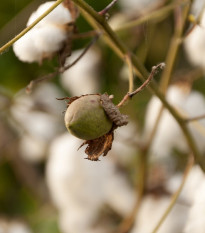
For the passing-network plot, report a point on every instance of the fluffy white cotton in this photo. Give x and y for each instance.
(80, 188)
(136, 5)
(25, 50)
(60, 15)
(82, 78)
(195, 178)
(195, 44)
(13, 226)
(151, 211)
(195, 222)
(47, 37)
(38, 118)
(168, 134)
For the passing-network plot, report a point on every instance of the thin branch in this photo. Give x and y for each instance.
(154, 15)
(107, 8)
(63, 69)
(60, 70)
(22, 33)
(131, 74)
(129, 95)
(176, 194)
(194, 118)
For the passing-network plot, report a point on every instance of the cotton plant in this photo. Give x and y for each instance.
(81, 183)
(48, 36)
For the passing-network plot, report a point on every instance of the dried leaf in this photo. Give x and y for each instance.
(99, 146)
(112, 111)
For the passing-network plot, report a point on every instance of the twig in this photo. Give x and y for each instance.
(195, 118)
(129, 95)
(107, 8)
(131, 74)
(60, 70)
(63, 69)
(22, 33)
(176, 194)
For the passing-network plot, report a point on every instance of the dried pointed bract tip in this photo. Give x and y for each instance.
(99, 146)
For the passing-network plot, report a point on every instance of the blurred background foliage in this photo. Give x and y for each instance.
(150, 41)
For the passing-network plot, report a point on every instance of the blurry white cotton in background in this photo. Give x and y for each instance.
(195, 44)
(195, 222)
(168, 135)
(80, 188)
(46, 37)
(82, 78)
(13, 226)
(136, 5)
(151, 211)
(38, 118)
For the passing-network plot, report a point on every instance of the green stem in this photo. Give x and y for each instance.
(175, 196)
(138, 66)
(22, 33)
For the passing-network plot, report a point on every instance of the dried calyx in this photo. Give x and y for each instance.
(94, 118)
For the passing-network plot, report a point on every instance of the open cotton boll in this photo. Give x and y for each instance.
(49, 39)
(78, 185)
(195, 221)
(25, 50)
(195, 46)
(60, 15)
(82, 78)
(151, 211)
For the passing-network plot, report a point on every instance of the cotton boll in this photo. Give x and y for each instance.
(49, 39)
(80, 188)
(195, 222)
(25, 50)
(60, 15)
(82, 77)
(32, 149)
(195, 46)
(151, 211)
(136, 5)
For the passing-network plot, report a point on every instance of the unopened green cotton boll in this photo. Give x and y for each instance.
(85, 118)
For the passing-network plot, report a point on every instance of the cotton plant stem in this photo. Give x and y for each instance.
(180, 19)
(175, 196)
(131, 74)
(22, 33)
